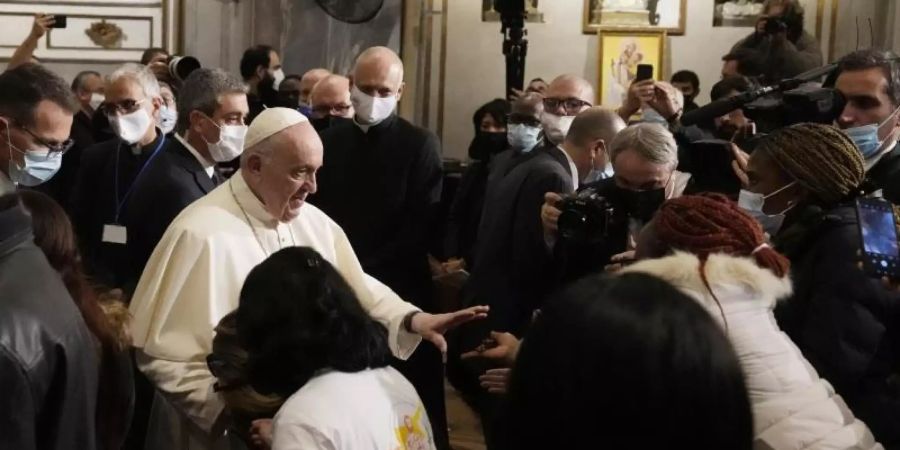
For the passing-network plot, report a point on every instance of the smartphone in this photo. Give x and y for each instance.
(878, 233)
(59, 21)
(644, 72)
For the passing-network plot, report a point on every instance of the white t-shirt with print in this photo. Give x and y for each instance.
(374, 409)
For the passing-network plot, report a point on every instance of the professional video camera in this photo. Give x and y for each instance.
(182, 66)
(791, 101)
(585, 217)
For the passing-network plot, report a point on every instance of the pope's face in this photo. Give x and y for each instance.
(287, 175)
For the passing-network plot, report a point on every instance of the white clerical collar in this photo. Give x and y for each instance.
(6, 185)
(248, 201)
(362, 126)
(208, 165)
(572, 168)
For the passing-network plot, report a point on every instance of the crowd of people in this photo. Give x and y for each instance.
(201, 259)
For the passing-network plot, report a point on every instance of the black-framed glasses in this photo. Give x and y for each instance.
(53, 150)
(571, 106)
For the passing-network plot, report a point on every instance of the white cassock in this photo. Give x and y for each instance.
(194, 278)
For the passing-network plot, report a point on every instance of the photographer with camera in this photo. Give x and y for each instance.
(600, 228)
(787, 49)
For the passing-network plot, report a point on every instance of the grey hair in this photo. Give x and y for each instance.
(202, 91)
(653, 142)
(141, 75)
(79, 81)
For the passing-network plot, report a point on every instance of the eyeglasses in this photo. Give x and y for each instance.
(53, 150)
(571, 106)
(124, 107)
(334, 110)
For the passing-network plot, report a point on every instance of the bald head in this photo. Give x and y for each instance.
(594, 124)
(566, 87)
(309, 80)
(378, 72)
(331, 96)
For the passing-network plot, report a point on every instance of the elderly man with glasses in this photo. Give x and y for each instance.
(110, 170)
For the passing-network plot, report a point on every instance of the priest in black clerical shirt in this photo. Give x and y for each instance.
(109, 169)
(381, 182)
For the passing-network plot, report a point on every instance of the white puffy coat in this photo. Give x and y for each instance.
(793, 408)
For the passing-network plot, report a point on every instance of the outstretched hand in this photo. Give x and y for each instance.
(433, 326)
(502, 347)
(42, 23)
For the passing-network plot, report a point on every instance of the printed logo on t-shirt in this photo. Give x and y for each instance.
(413, 432)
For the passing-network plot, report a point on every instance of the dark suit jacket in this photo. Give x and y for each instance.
(94, 204)
(886, 176)
(383, 188)
(513, 265)
(174, 180)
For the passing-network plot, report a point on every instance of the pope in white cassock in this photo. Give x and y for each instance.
(195, 274)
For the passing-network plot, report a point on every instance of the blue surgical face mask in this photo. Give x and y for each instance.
(522, 137)
(39, 165)
(753, 204)
(866, 137)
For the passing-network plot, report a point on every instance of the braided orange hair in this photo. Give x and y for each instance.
(711, 223)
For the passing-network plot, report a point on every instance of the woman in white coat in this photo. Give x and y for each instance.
(718, 255)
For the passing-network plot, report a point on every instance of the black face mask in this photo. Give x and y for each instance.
(642, 205)
(487, 144)
(323, 123)
(267, 92)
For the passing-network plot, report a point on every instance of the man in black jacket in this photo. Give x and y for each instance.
(870, 81)
(48, 359)
(381, 182)
(513, 265)
(210, 129)
(109, 170)
(88, 89)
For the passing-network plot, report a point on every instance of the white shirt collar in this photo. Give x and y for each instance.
(362, 126)
(248, 201)
(208, 166)
(6, 185)
(572, 168)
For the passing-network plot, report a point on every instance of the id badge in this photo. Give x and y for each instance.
(115, 234)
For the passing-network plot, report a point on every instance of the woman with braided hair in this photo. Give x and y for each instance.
(801, 182)
(722, 260)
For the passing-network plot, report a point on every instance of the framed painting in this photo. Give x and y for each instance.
(620, 54)
(97, 30)
(635, 15)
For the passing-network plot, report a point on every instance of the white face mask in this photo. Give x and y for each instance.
(371, 110)
(556, 127)
(279, 77)
(97, 99)
(131, 127)
(231, 142)
(168, 117)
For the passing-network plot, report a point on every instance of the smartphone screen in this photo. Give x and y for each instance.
(878, 232)
(644, 72)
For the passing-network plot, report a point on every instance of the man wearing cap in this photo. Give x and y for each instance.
(194, 276)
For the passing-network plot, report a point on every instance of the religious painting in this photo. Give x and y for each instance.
(96, 30)
(737, 13)
(532, 13)
(635, 15)
(620, 54)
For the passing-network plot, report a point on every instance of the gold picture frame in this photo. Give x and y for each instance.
(619, 54)
(592, 26)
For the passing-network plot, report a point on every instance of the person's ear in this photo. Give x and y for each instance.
(400, 90)
(195, 122)
(156, 104)
(599, 148)
(261, 72)
(253, 164)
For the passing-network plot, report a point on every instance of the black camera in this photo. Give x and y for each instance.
(807, 103)
(182, 66)
(585, 217)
